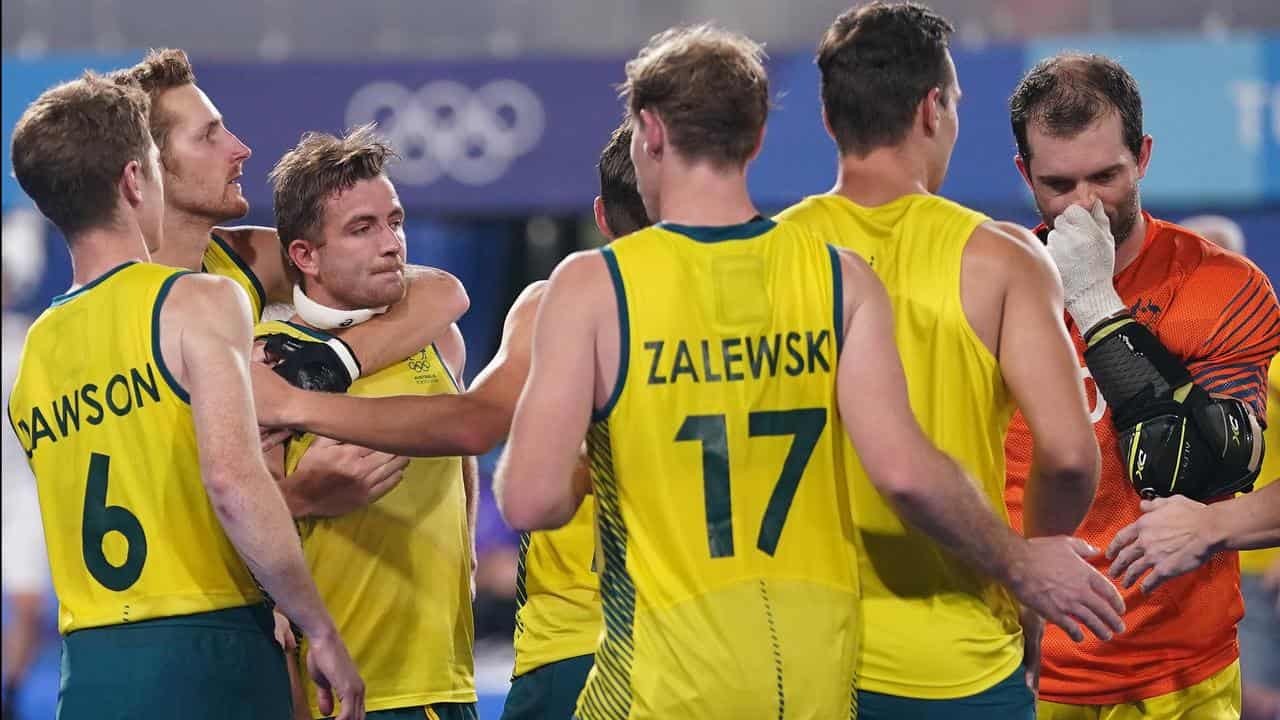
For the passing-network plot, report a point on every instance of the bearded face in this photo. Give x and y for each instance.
(202, 160)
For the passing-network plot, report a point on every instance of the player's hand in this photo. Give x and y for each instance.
(1054, 580)
(1032, 635)
(1085, 252)
(270, 438)
(335, 676)
(325, 364)
(284, 632)
(1174, 536)
(333, 478)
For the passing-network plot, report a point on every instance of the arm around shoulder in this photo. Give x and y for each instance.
(433, 301)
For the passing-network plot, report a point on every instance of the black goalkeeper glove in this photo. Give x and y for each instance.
(325, 365)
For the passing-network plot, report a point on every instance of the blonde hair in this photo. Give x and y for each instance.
(710, 88)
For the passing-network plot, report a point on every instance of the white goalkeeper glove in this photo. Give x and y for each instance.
(1085, 252)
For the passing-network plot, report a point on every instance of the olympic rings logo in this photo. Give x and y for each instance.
(447, 129)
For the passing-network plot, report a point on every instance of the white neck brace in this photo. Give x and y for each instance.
(327, 318)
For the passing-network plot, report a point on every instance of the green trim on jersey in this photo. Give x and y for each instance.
(720, 233)
(244, 268)
(624, 335)
(63, 298)
(173, 383)
(837, 298)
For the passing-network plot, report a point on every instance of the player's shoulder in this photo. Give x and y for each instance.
(852, 265)
(586, 270)
(946, 207)
(1007, 248)
(858, 280)
(1202, 263)
(1187, 264)
(206, 298)
(794, 225)
(246, 238)
(525, 307)
(202, 286)
(806, 209)
(532, 294)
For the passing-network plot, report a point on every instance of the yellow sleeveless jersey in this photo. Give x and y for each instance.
(933, 628)
(220, 259)
(111, 441)
(728, 586)
(396, 575)
(1257, 561)
(557, 593)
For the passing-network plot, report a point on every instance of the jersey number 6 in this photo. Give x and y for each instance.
(100, 519)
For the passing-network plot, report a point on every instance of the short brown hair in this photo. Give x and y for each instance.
(71, 144)
(710, 88)
(159, 71)
(623, 208)
(1066, 93)
(878, 62)
(320, 166)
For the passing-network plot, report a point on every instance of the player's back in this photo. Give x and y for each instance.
(111, 440)
(933, 627)
(557, 593)
(729, 585)
(396, 574)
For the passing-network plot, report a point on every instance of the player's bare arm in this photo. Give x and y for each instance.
(535, 484)
(470, 423)
(433, 300)
(500, 382)
(334, 478)
(930, 491)
(331, 478)
(209, 354)
(1039, 366)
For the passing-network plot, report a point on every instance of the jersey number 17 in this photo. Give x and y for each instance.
(805, 425)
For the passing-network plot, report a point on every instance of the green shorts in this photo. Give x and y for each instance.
(439, 711)
(549, 692)
(1009, 699)
(208, 666)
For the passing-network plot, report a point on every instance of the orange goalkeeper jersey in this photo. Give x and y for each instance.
(1216, 312)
